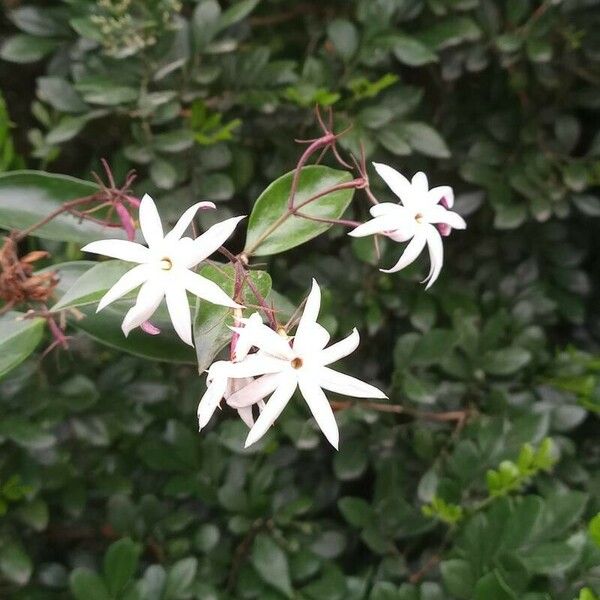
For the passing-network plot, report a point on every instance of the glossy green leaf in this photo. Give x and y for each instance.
(87, 585)
(23, 48)
(19, 337)
(15, 564)
(180, 578)
(412, 52)
(271, 563)
(27, 197)
(105, 326)
(120, 564)
(272, 230)
(212, 322)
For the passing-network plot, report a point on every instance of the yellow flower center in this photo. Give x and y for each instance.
(419, 218)
(166, 264)
(297, 363)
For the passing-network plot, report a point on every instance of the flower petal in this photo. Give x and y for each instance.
(210, 400)
(269, 341)
(320, 408)
(435, 195)
(186, 219)
(302, 339)
(246, 416)
(341, 383)
(277, 402)
(381, 224)
(212, 239)
(436, 254)
(205, 288)
(410, 253)
(438, 214)
(179, 311)
(340, 349)
(121, 249)
(385, 208)
(150, 223)
(253, 392)
(396, 182)
(129, 281)
(255, 365)
(245, 335)
(149, 297)
(420, 184)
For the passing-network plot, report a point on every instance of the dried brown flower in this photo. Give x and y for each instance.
(18, 283)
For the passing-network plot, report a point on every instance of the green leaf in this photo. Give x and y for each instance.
(451, 32)
(163, 173)
(26, 197)
(93, 284)
(120, 564)
(15, 564)
(384, 590)
(19, 337)
(412, 52)
(23, 48)
(506, 361)
(425, 139)
(271, 230)
(87, 585)
(180, 578)
(205, 22)
(493, 587)
(212, 322)
(458, 578)
(236, 12)
(271, 564)
(60, 94)
(36, 21)
(551, 558)
(356, 511)
(105, 326)
(594, 529)
(344, 36)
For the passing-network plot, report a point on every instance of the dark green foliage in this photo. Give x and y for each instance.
(107, 490)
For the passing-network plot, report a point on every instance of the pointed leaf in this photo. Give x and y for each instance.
(19, 337)
(269, 229)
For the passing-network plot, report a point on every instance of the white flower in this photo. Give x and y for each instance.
(415, 219)
(164, 268)
(280, 368)
(219, 386)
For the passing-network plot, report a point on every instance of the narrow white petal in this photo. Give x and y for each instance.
(210, 400)
(121, 249)
(411, 252)
(420, 184)
(309, 317)
(434, 195)
(129, 281)
(244, 341)
(150, 222)
(179, 311)
(253, 392)
(438, 214)
(340, 383)
(404, 232)
(205, 288)
(255, 365)
(149, 297)
(212, 239)
(270, 341)
(316, 337)
(436, 254)
(277, 402)
(186, 218)
(379, 224)
(340, 349)
(396, 182)
(320, 408)
(246, 416)
(386, 208)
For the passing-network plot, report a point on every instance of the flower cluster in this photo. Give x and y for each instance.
(265, 360)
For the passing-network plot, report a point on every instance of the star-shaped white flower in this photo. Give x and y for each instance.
(164, 268)
(280, 368)
(417, 218)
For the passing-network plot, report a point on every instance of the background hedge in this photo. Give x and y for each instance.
(107, 491)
